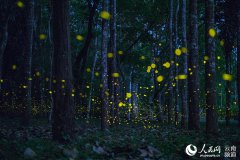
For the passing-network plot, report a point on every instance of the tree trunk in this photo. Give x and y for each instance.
(91, 84)
(193, 83)
(238, 64)
(3, 33)
(185, 67)
(170, 102)
(27, 63)
(63, 110)
(113, 41)
(176, 68)
(105, 93)
(210, 71)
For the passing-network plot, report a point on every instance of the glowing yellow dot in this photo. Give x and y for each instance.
(107, 94)
(115, 75)
(177, 64)
(120, 104)
(128, 95)
(87, 87)
(206, 58)
(110, 55)
(96, 74)
(142, 57)
(160, 78)
(79, 37)
(167, 65)
(73, 94)
(149, 69)
(178, 52)
(105, 15)
(227, 77)
(50, 92)
(101, 85)
(14, 67)
(54, 81)
(38, 74)
(30, 78)
(42, 36)
(25, 87)
(222, 42)
(212, 32)
(156, 71)
(182, 76)
(1, 81)
(184, 50)
(63, 86)
(20, 4)
(153, 65)
(218, 57)
(120, 52)
(88, 70)
(63, 81)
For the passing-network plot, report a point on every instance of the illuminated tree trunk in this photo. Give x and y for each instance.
(185, 67)
(105, 93)
(27, 63)
(210, 70)
(193, 77)
(63, 110)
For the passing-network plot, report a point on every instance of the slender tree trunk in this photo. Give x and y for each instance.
(238, 64)
(228, 52)
(105, 92)
(170, 102)
(3, 33)
(91, 84)
(210, 71)
(27, 63)
(185, 67)
(63, 110)
(113, 49)
(193, 77)
(176, 67)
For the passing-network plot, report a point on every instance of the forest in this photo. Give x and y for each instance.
(119, 79)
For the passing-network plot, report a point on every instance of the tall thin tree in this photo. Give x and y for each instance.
(193, 80)
(210, 69)
(27, 62)
(63, 111)
(185, 66)
(105, 93)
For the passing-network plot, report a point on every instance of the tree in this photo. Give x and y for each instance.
(185, 67)
(63, 111)
(193, 80)
(238, 63)
(170, 102)
(113, 49)
(210, 69)
(3, 32)
(27, 62)
(104, 93)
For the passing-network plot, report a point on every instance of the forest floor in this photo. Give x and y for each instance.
(140, 140)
